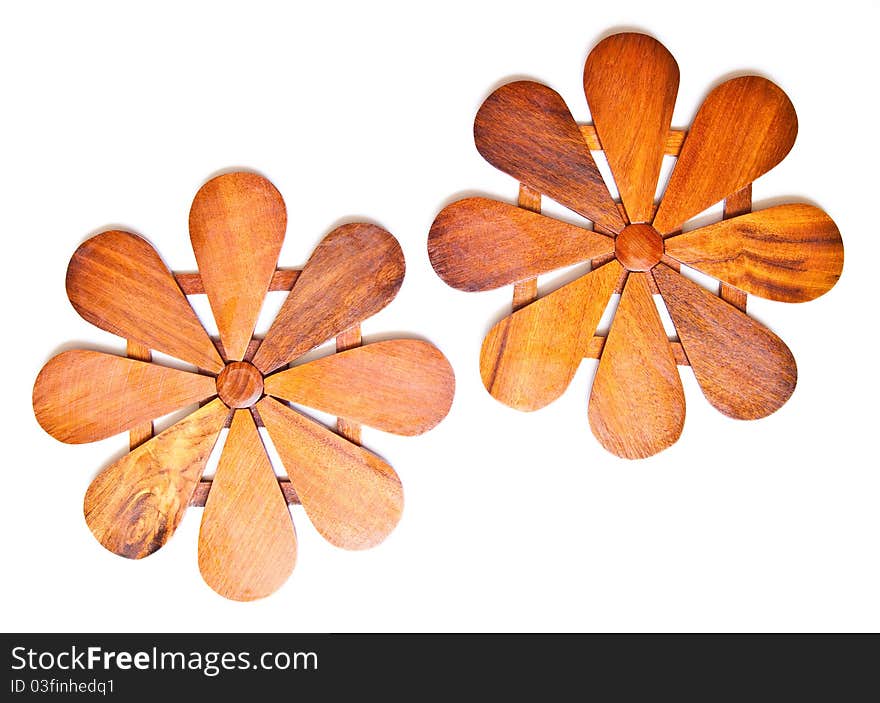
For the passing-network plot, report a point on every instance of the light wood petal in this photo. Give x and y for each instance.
(791, 253)
(135, 505)
(744, 128)
(236, 226)
(631, 82)
(117, 281)
(83, 396)
(637, 404)
(353, 273)
(247, 541)
(744, 369)
(479, 244)
(529, 358)
(353, 498)
(403, 386)
(525, 129)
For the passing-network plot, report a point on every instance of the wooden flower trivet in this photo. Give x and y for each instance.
(247, 542)
(789, 253)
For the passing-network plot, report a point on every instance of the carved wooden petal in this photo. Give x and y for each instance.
(744, 369)
(792, 253)
(744, 128)
(237, 225)
(478, 244)
(353, 273)
(637, 404)
(117, 281)
(529, 358)
(247, 542)
(83, 396)
(631, 82)
(403, 386)
(353, 498)
(135, 505)
(525, 129)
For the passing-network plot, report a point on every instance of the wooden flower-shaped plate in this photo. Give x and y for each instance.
(789, 253)
(247, 542)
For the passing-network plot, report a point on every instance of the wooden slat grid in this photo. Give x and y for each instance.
(738, 203)
(282, 280)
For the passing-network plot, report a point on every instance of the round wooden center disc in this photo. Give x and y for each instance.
(638, 247)
(240, 384)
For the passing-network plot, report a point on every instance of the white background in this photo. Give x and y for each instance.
(114, 114)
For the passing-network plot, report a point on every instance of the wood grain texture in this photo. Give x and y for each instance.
(240, 384)
(135, 505)
(478, 244)
(791, 253)
(526, 291)
(247, 541)
(597, 344)
(345, 340)
(349, 429)
(735, 204)
(631, 82)
(353, 273)
(639, 247)
(140, 433)
(744, 369)
(525, 129)
(353, 498)
(744, 128)
(733, 295)
(236, 225)
(637, 404)
(671, 147)
(200, 495)
(252, 347)
(529, 358)
(117, 281)
(349, 338)
(403, 386)
(83, 396)
(191, 282)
